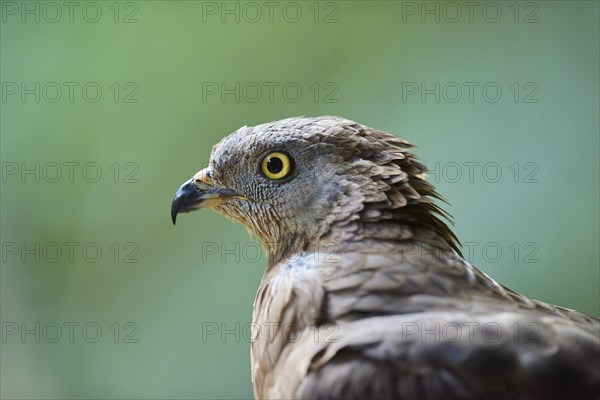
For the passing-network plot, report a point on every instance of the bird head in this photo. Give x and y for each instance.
(299, 184)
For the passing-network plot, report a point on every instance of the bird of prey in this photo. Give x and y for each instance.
(366, 293)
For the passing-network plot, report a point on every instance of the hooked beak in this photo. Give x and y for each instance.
(199, 192)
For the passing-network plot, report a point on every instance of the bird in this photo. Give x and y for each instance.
(366, 294)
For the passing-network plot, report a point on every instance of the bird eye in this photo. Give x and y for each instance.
(276, 165)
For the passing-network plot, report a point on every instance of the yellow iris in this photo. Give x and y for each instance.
(276, 165)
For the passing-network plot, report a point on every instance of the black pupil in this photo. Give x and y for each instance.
(274, 165)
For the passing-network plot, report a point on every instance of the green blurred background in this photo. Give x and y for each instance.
(160, 66)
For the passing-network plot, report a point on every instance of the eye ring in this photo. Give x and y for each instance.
(277, 165)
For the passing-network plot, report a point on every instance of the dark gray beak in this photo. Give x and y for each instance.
(196, 193)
